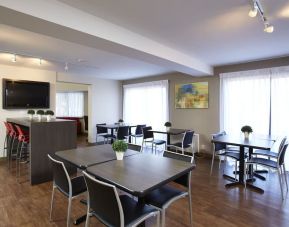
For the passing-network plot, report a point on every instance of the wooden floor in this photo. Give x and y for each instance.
(213, 204)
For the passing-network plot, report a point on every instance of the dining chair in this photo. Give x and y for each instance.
(138, 132)
(70, 187)
(278, 165)
(122, 133)
(148, 137)
(102, 132)
(221, 150)
(271, 153)
(164, 196)
(112, 209)
(186, 143)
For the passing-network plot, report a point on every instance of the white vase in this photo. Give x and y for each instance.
(168, 129)
(246, 134)
(30, 116)
(48, 117)
(39, 117)
(119, 155)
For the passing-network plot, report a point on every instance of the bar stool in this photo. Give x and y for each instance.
(12, 145)
(22, 149)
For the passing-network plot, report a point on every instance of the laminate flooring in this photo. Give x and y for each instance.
(213, 204)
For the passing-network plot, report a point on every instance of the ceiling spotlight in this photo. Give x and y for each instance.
(66, 67)
(13, 59)
(268, 28)
(40, 61)
(253, 12)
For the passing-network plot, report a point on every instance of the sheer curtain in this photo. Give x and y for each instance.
(70, 104)
(146, 103)
(245, 100)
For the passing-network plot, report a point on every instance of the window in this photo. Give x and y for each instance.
(258, 98)
(70, 104)
(146, 103)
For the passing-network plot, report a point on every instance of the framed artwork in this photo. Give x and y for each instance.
(192, 95)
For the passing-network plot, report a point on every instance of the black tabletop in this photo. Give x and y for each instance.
(115, 126)
(140, 174)
(239, 140)
(172, 131)
(87, 156)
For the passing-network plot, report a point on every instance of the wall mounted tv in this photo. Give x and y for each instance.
(21, 94)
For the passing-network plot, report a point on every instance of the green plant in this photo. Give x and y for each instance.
(120, 120)
(40, 112)
(31, 112)
(49, 112)
(119, 146)
(168, 124)
(247, 128)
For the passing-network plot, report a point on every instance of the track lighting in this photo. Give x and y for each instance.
(254, 11)
(66, 67)
(13, 59)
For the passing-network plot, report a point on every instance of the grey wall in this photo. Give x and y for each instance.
(205, 121)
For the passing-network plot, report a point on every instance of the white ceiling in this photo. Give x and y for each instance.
(132, 38)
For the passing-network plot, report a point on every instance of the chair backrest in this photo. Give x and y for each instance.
(281, 154)
(147, 134)
(12, 130)
(138, 130)
(219, 146)
(282, 143)
(7, 128)
(186, 178)
(134, 147)
(122, 132)
(19, 131)
(104, 201)
(100, 130)
(61, 178)
(188, 138)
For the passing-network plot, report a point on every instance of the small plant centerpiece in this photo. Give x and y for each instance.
(246, 129)
(120, 121)
(168, 125)
(39, 114)
(30, 113)
(119, 146)
(49, 114)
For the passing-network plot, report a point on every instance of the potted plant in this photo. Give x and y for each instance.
(40, 113)
(246, 129)
(168, 125)
(120, 121)
(119, 146)
(31, 113)
(48, 114)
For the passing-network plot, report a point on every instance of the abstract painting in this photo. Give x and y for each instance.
(193, 95)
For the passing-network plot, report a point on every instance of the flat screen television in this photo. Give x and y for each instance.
(21, 94)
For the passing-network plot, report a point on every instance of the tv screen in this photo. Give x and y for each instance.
(20, 94)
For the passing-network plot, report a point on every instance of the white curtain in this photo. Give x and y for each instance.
(245, 100)
(70, 104)
(280, 101)
(146, 103)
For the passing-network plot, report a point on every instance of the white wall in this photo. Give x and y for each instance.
(20, 73)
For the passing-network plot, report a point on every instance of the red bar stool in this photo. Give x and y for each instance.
(22, 149)
(12, 145)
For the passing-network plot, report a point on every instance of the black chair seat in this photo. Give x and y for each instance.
(158, 142)
(133, 210)
(161, 196)
(78, 185)
(263, 161)
(265, 153)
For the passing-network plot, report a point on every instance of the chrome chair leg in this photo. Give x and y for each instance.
(191, 210)
(69, 211)
(51, 204)
(163, 218)
(285, 176)
(212, 163)
(280, 182)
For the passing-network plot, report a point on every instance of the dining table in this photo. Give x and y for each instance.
(253, 142)
(114, 127)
